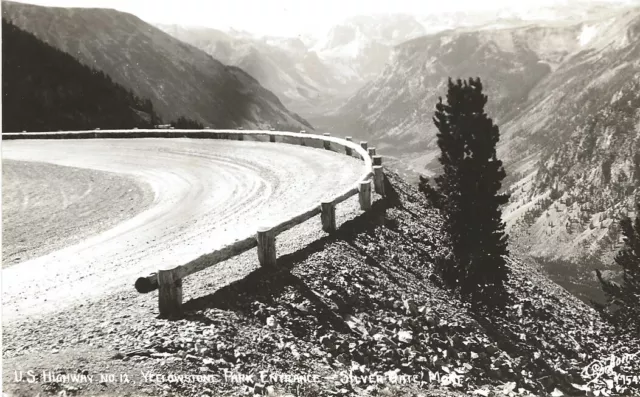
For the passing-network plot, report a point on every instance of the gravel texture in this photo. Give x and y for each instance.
(46, 207)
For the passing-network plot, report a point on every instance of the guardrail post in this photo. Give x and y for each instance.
(364, 146)
(377, 160)
(347, 148)
(272, 138)
(327, 144)
(365, 195)
(378, 179)
(266, 247)
(328, 216)
(372, 151)
(169, 293)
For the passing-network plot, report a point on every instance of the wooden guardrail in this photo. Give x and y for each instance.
(168, 281)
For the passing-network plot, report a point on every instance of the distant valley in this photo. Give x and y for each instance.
(566, 96)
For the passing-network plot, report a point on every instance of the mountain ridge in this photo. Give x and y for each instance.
(190, 83)
(45, 89)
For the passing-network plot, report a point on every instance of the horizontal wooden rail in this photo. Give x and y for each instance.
(169, 281)
(342, 197)
(296, 220)
(150, 283)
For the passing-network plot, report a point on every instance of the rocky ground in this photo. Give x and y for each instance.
(355, 313)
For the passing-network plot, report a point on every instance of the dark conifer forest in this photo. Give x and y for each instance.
(45, 89)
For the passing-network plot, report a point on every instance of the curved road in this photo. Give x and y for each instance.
(207, 193)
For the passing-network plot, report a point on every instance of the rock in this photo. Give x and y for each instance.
(411, 307)
(342, 358)
(259, 388)
(303, 308)
(491, 349)
(192, 358)
(405, 336)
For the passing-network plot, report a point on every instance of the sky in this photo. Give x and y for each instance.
(286, 17)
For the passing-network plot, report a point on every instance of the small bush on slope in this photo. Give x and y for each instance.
(365, 299)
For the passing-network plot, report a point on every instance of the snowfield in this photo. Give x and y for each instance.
(203, 194)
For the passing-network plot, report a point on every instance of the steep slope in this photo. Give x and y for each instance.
(45, 89)
(397, 107)
(179, 79)
(566, 97)
(285, 66)
(588, 175)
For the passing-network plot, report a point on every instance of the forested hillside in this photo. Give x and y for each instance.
(179, 79)
(45, 89)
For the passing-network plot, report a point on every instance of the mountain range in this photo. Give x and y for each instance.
(310, 75)
(313, 74)
(180, 80)
(566, 96)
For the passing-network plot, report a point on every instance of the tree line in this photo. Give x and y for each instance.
(46, 89)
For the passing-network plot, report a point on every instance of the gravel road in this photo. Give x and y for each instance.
(205, 194)
(46, 207)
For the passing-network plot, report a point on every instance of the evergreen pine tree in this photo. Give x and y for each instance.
(623, 300)
(467, 192)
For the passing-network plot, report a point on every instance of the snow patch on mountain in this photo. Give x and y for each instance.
(587, 34)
